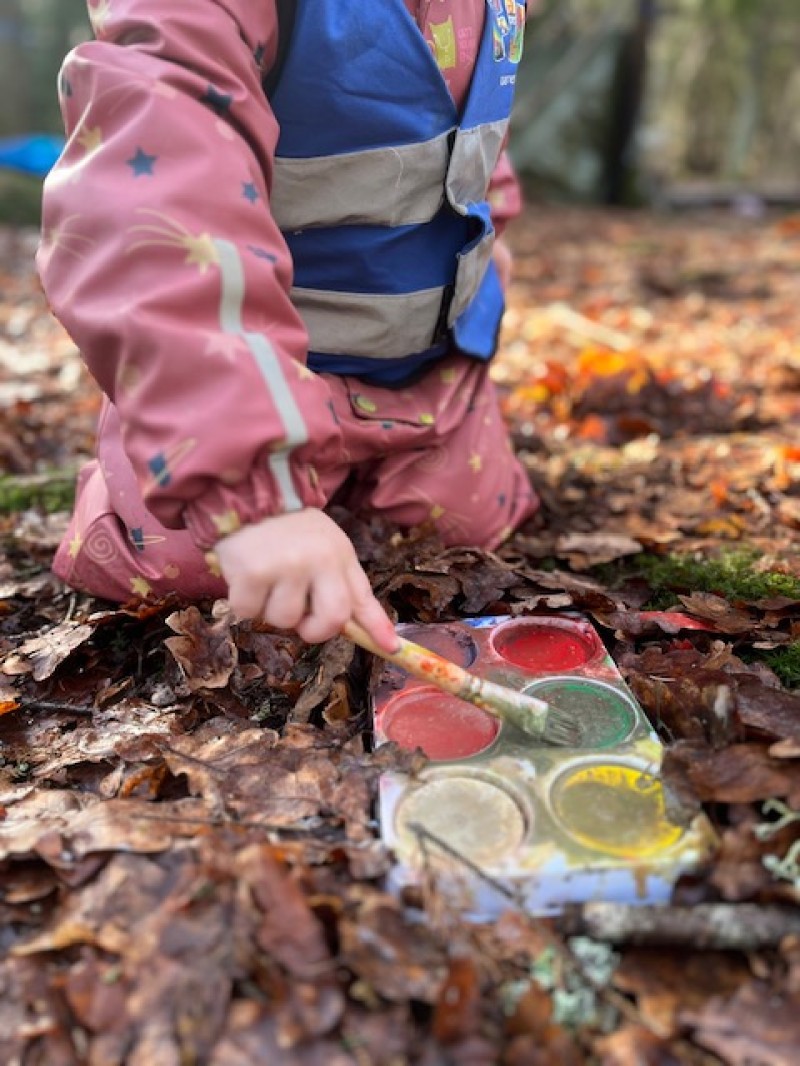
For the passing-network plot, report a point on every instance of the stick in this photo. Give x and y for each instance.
(707, 927)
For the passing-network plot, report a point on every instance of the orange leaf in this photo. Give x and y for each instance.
(554, 376)
(782, 475)
(730, 526)
(457, 1011)
(7, 706)
(789, 226)
(594, 428)
(598, 362)
(719, 490)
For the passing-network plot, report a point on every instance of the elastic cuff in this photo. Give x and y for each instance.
(224, 509)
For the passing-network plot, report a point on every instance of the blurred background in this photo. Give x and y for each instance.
(629, 102)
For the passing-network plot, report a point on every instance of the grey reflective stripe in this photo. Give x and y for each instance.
(230, 317)
(469, 275)
(398, 186)
(474, 157)
(375, 327)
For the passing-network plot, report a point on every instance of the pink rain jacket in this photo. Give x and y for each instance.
(152, 171)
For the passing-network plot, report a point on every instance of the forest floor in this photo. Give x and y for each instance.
(191, 869)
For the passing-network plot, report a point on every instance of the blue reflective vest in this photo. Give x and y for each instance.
(380, 186)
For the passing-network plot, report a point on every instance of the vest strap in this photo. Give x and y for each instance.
(375, 327)
(397, 186)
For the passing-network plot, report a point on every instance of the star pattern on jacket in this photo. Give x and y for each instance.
(90, 138)
(167, 232)
(141, 587)
(250, 192)
(62, 238)
(141, 163)
(217, 100)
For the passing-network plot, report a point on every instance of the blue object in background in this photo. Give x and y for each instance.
(32, 153)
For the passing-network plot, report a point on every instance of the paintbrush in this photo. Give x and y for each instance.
(528, 713)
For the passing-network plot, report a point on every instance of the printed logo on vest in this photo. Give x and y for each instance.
(508, 30)
(444, 43)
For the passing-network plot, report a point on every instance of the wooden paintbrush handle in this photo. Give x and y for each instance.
(448, 676)
(414, 659)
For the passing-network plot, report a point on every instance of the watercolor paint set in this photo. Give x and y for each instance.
(499, 816)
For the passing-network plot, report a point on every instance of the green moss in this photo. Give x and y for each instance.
(51, 491)
(732, 575)
(786, 664)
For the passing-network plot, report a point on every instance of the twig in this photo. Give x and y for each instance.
(710, 926)
(55, 707)
(226, 823)
(425, 836)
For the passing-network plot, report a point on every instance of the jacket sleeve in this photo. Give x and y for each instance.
(161, 258)
(505, 194)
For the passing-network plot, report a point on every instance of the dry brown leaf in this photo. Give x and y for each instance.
(378, 946)
(741, 773)
(334, 658)
(44, 653)
(68, 826)
(205, 651)
(775, 714)
(584, 550)
(456, 1014)
(288, 930)
(755, 1025)
(635, 1045)
(664, 982)
(726, 619)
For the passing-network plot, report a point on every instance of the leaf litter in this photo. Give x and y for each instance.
(190, 865)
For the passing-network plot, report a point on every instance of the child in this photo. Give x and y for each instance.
(286, 298)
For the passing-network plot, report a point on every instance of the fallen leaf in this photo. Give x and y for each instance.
(725, 618)
(756, 1025)
(636, 1045)
(333, 659)
(378, 947)
(45, 653)
(741, 773)
(773, 713)
(456, 1013)
(205, 651)
(665, 982)
(584, 550)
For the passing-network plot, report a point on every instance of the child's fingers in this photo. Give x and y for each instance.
(246, 599)
(329, 608)
(369, 614)
(287, 603)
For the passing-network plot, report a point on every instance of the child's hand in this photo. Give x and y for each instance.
(300, 571)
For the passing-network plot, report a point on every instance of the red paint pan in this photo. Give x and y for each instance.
(542, 645)
(443, 726)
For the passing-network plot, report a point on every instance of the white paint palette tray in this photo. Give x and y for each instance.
(498, 817)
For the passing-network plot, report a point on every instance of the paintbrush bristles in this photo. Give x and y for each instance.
(531, 715)
(528, 713)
